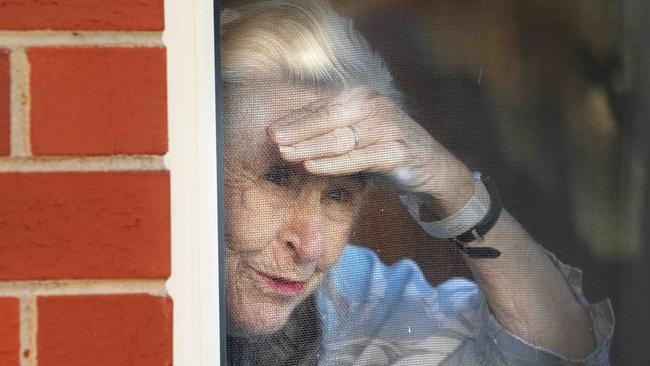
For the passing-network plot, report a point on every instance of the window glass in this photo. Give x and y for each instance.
(424, 182)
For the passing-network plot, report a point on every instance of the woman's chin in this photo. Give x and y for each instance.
(259, 324)
(254, 309)
(256, 315)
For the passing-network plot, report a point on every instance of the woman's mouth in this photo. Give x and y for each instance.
(281, 285)
(284, 287)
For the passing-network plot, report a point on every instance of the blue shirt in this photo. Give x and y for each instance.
(373, 314)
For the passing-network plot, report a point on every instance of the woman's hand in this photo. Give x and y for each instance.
(360, 130)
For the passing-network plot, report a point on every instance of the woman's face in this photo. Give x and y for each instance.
(284, 227)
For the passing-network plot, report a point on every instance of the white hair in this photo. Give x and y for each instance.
(303, 41)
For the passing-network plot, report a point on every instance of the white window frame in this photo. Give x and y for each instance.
(194, 283)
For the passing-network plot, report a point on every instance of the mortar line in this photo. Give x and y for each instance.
(83, 164)
(28, 329)
(27, 289)
(25, 39)
(20, 103)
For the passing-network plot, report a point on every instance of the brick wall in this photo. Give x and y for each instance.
(84, 193)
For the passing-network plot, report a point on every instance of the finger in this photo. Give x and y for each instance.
(318, 119)
(379, 158)
(337, 142)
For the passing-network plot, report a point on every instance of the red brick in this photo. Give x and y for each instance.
(82, 14)
(84, 225)
(9, 332)
(104, 330)
(98, 101)
(5, 84)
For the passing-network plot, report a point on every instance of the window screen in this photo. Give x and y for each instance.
(425, 182)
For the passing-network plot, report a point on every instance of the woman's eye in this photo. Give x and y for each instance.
(278, 175)
(339, 194)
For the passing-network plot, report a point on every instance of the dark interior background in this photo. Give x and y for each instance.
(551, 99)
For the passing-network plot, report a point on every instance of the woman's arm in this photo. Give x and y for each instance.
(525, 290)
(361, 131)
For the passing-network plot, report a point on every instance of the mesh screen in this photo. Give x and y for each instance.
(351, 126)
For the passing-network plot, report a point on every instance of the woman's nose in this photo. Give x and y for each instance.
(303, 234)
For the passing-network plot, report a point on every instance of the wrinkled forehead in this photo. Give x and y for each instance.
(248, 109)
(251, 107)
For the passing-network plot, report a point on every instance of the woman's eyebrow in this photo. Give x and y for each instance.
(361, 179)
(277, 163)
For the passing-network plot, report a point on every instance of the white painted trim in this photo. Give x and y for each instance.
(194, 283)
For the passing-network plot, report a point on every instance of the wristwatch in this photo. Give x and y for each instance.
(469, 224)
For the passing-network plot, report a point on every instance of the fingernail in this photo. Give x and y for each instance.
(311, 166)
(277, 134)
(287, 149)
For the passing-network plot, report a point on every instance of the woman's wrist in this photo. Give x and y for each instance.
(454, 188)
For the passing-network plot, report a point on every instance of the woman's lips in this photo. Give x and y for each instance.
(283, 286)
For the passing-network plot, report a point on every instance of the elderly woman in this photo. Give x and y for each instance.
(310, 115)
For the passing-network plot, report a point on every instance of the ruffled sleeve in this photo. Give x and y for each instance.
(503, 347)
(373, 314)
